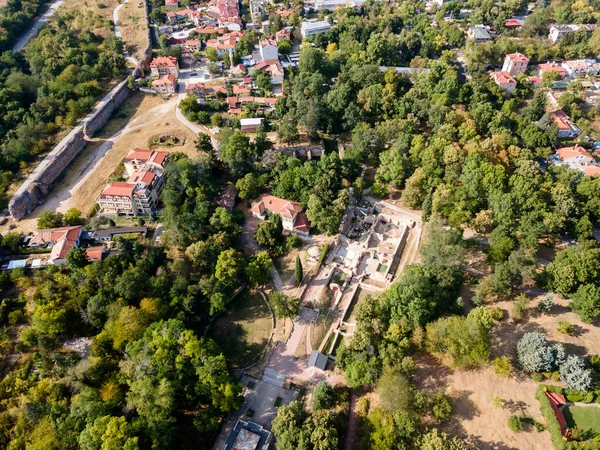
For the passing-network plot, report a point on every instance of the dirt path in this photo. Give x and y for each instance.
(62, 201)
(351, 433)
(30, 34)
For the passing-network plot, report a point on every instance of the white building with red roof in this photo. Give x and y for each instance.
(143, 159)
(171, 4)
(225, 43)
(60, 240)
(552, 67)
(566, 128)
(167, 84)
(577, 158)
(293, 218)
(273, 67)
(577, 67)
(164, 65)
(506, 82)
(515, 64)
(134, 197)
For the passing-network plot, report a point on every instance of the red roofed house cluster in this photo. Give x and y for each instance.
(578, 158)
(139, 194)
(293, 218)
(225, 43)
(166, 71)
(60, 240)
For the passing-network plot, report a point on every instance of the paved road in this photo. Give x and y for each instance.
(22, 42)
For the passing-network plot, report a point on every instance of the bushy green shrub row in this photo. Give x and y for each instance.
(552, 424)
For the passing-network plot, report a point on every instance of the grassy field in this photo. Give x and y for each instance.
(244, 331)
(586, 418)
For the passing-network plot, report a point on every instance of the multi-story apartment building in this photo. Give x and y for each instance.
(164, 65)
(515, 64)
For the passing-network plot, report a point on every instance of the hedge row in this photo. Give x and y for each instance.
(552, 425)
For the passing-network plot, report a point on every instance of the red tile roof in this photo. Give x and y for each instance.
(118, 189)
(552, 67)
(147, 155)
(62, 240)
(512, 23)
(164, 61)
(94, 253)
(145, 177)
(518, 57)
(503, 78)
(570, 152)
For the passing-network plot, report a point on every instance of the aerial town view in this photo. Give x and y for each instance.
(299, 225)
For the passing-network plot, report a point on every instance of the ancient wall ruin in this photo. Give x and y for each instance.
(33, 190)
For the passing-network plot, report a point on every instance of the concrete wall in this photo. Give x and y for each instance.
(33, 190)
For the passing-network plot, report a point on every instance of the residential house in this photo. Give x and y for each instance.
(284, 34)
(197, 89)
(479, 33)
(578, 67)
(308, 29)
(273, 68)
(503, 79)
(96, 253)
(239, 70)
(60, 240)
(257, 10)
(164, 65)
(192, 45)
(293, 218)
(566, 128)
(136, 196)
(515, 64)
(332, 5)
(171, 4)
(557, 32)
(225, 43)
(250, 125)
(142, 159)
(552, 67)
(514, 24)
(576, 158)
(231, 23)
(167, 84)
(268, 49)
(226, 198)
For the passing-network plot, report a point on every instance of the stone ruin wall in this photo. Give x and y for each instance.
(34, 189)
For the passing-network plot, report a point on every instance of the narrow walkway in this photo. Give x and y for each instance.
(117, 29)
(276, 280)
(351, 434)
(30, 34)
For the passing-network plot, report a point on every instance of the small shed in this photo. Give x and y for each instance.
(250, 125)
(318, 360)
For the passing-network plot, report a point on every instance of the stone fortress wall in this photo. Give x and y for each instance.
(34, 189)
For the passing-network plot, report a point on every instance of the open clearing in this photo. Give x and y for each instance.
(244, 331)
(133, 28)
(139, 118)
(586, 418)
(475, 419)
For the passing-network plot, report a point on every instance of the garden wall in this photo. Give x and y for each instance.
(34, 189)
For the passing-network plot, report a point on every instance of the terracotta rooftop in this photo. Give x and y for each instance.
(62, 240)
(118, 189)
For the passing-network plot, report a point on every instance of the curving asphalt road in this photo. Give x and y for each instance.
(23, 40)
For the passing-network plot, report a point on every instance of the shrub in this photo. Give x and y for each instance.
(537, 377)
(576, 434)
(535, 354)
(546, 304)
(574, 374)
(497, 313)
(589, 397)
(323, 396)
(552, 424)
(502, 366)
(594, 363)
(575, 396)
(441, 408)
(292, 242)
(497, 402)
(515, 423)
(565, 328)
(519, 307)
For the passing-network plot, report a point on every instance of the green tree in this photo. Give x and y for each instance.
(229, 267)
(268, 232)
(204, 143)
(77, 258)
(535, 354)
(284, 306)
(211, 55)
(107, 433)
(12, 241)
(49, 219)
(323, 396)
(250, 186)
(574, 374)
(435, 440)
(236, 152)
(73, 217)
(395, 391)
(259, 269)
(586, 302)
(299, 271)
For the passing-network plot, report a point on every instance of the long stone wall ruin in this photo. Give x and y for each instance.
(144, 62)
(34, 189)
